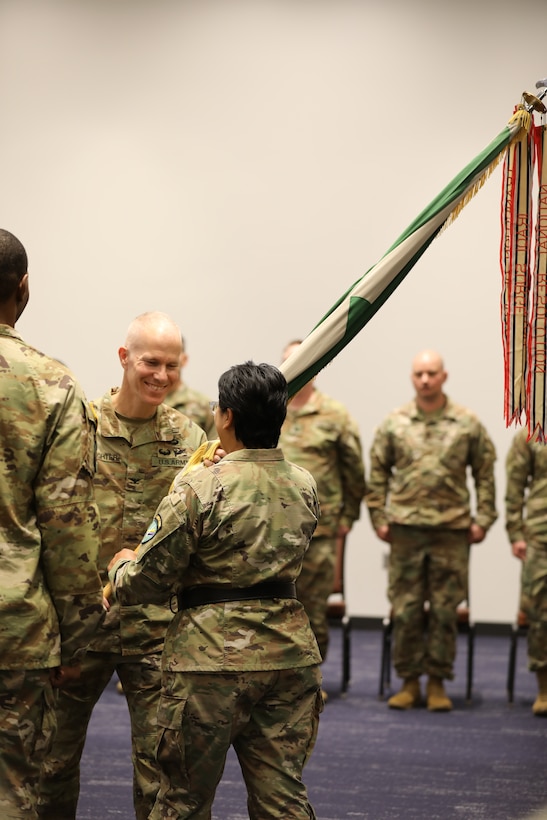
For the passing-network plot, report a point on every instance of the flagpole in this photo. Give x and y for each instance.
(365, 297)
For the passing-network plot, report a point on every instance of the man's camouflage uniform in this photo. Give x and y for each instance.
(418, 486)
(195, 405)
(322, 437)
(136, 464)
(243, 672)
(50, 591)
(526, 520)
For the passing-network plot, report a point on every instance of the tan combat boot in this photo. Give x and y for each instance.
(540, 704)
(408, 697)
(437, 699)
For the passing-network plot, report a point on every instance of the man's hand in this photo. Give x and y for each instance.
(384, 533)
(519, 550)
(127, 554)
(62, 676)
(476, 534)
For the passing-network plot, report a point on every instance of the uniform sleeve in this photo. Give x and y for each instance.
(68, 520)
(381, 461)
(163, 555)
(518, 470)
(483, 457)
(352, 472)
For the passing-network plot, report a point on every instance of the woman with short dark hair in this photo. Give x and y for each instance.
(240, 662)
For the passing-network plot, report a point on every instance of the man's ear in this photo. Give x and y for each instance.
(122, 356)
(22, 292)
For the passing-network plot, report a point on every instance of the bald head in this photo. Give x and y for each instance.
(151, 360)
(154, 324)
(428, 378)
(427, 358)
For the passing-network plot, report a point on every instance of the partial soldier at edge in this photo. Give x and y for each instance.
(50, 590)
(526, 525)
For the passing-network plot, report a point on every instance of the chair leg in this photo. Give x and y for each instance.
(512, 663)
(346, 653)
(385, 661)
(470, 662)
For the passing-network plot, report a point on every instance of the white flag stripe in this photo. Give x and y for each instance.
(370, 287)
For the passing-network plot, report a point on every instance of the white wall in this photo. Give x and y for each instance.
(240, 163)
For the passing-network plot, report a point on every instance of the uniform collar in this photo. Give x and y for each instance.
(444, 412)
(8, 330)
(110, 426)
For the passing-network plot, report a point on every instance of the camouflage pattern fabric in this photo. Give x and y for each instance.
(271, 719)
(141, 680)
(322, 437)
(136, 463)
(27, 725)
(426, 563)
(195, 405)
(533, 602)
(50, 592)
(418, 486)
(525, 520)
(315, 584)
(418, 469)
(245, 520)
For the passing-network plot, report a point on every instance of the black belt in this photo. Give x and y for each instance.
(203, 595)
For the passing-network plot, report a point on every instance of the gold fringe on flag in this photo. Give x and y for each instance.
(523, 119)
(472, 192)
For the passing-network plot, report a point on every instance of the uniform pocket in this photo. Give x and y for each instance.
(170, 747)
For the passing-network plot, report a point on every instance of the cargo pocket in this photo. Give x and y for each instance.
(38, 732)
(49, 720)
(318, 707)
(170, 747)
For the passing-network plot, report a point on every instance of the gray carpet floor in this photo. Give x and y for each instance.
(486, 760)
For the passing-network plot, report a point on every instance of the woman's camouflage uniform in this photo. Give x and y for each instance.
(241, 672)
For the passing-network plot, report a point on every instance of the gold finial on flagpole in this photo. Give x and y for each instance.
(533, 102)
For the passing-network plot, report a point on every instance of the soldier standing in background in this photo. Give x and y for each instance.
(50, 591)
(526, 524)
(191, 402)
(240, 663)
(418, 501)
(141, 446)
(320, 435)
